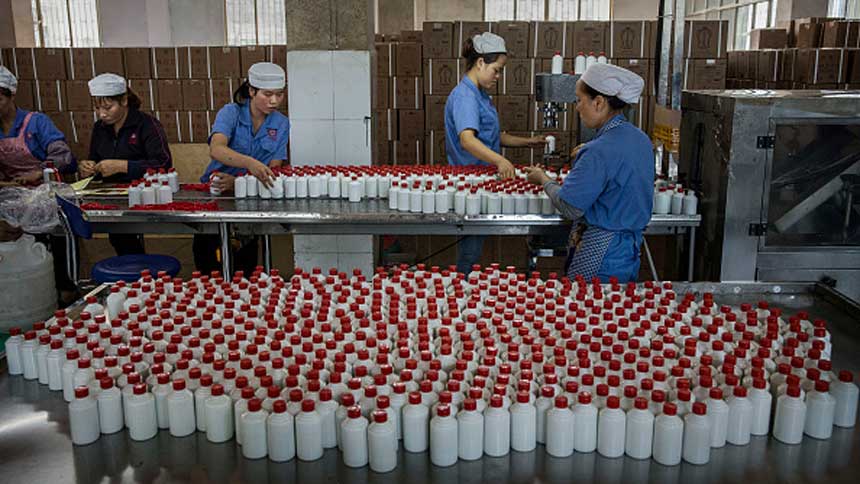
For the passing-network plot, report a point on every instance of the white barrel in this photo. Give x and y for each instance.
(27, 292)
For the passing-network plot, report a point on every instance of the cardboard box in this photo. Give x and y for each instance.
(839, 33)
(195, 95)
(25, 98)
(767, 65)
(547, 38)
(224, 63)
(442, 75)
(412, 36)
(82, 125)
(108, 60)
(631, 39)
(410, 124)
(250, 55)
(407, 93)
(435, 112)
(768, 39)
(63, 122)
(382, 96)
(172, 63)
(198, 63)
(408, 59)
(513, 112)
(24, 62)
(278, 55)
(546, 65)
(434, 144)
(853, 70)
(820, 66)
(50, 64)
(386, 58)
(145, 90)
(536, 118)
(518, 156)
(220, 93)
(467, 30)
(51, 95)
(643, 68)
(705, 39)
(516, 35)
(197, 127)
(385, 125)
(408, 152)
(807, 33)
(786, 65)
(852, 37)
(382, 153)
(518, 77)
(80, 63)
(138, 63)
(704, 74)
(587, 36)
(169, 95)
(172, 125)
(438, 40)
(77, 95)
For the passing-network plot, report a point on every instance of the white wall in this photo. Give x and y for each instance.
(197, 22)
(123, 23)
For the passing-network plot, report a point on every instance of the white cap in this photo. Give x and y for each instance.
(612, 80)
(489, 43)
(107, 85)
(8, 80)
(266, 75)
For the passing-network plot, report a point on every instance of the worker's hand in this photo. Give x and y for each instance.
(506, 169)
(224, 182)
(536, 175)
(576, 149)
(112, 167)
(30, 178)
(536, 141)
(86, 168)
(262, 172)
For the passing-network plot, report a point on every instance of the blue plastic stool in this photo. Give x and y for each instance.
(128, 267)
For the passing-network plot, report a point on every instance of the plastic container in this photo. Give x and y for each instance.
(473, 202)
(302, 187)
(280, 433)
(460, 202)
(428, 199)
(353, 434)
(718, 413)
(416, 420)
(441, 203)
(290, 191)
(202, 394)
(662, 201)
(326, 409)
(382, 443)
(845, 392)
(740, 418)
(640, 430)
(585, 423)
(308, 432)
(579, 63)
(523, 423)
(761, 402)
(820, 411)
(443, 437)
(13, 352)
(254, 440)
(27, 291)
(557, 63)
(601, 59)
(135, 197)
(28, 356)
(110, 407)
(218, 415)
(697, 435)
(559, 429)
(677, 203)
(497, 428)
(70, 366)
(141, 419)
(148, 193)
(84, 418)
(355, 192)
(164, 195)
(790, 418)
(691, 203)
(590, 60)
(334, 187)
(55, 359)
(470, 431)
(668, 436)
(542, 406)
(180, 410)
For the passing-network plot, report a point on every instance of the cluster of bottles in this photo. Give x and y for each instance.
(582, 62)
(460, 365)
(673, 199)
(156, 188)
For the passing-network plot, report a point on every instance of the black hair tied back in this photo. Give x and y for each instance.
(614, 103)
(471, 55)
(243, 93)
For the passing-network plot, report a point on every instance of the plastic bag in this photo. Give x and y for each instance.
(34, 210)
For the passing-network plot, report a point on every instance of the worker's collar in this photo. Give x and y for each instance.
(613, 122)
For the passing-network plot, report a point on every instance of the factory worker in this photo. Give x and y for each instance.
(608, 193)
(125, 143)
(28, 140)
(251, 136)
(472, 132)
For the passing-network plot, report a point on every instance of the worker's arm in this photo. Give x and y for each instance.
(479, 150)
(568, 211)
(512, 141)
(221, 152)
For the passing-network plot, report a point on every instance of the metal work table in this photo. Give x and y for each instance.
(35, 443)
(337, 216)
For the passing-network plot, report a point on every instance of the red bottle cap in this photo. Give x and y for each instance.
(613, 402)
(308, 405)
(380, 416)
(670, 409)
(699, 408)
(179, 385)
(443, 410)
(279, 406)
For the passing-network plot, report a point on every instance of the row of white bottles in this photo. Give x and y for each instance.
(149, 193)
(675, 202)
(163, 177)
(582, 62)
(464, 200)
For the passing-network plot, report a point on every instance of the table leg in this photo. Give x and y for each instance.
(224, 233)
(267, 253)
(691, 255)
(650, 259)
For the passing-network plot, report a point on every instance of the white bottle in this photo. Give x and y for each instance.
(383, 186)
(180, 410)
(690, 203)
(135, 197)
(416, 419)
(470, 431)
(663, 201)
(308, 432)
(302, 187)
(790, 417)
(542, 405)
(41, 354)
(110, 407)
(371, 186)
(640, 430)
(697, 435)
(761, 400)
(164, 195)
(314, 187)
(557, 64)
(147, 194)
(845, 392)
(219, 415)
(460, 202)
(84, 417)
(114, 302)
(353, 434)
(559, 429)
(393, 193)
(28, 356)
(13, 353)
(590, 60)
(141, 419)
(289, 187)
(280, 433)
(355, 192)
(428, 200)
(70, 366)
(403, 197)
(820, 411)
(585, 418)
(497, 428)
(161, 391)
(668, 436)
(601, 59)
(240, 187)
(611, 429)
(740, 418)
(579, 64)
(416, 197)
(254, 440)
(200, 396)
(473, 202)
(55, 360)
(523, 423)
(334, 187)
(441, 204)
(443, 437)
(326, 409)
(344, 185)
(718, 413)
(173, 180)
(382, 443)
(677, 202)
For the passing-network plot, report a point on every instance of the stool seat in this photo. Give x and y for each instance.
(128, 267)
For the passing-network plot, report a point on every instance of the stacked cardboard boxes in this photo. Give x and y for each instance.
(705, 55)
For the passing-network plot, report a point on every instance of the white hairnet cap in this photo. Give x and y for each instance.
(489, 43)
(107, 84)
(615, 81)
(266, 75)
(8, 80)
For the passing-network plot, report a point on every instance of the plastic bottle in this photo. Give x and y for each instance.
(441, 204)
(382, 443)
(640, 430)
(460, 202)
(84, 417)
(790, 417)
(110, 407)
(180, 410)
(148, 197)
(611, 426)
(49, 173)
(164, 195)
(601, 59)
(523, 423)
(289, 187)
(173, 180)
(691, 203)
(135, 196)
(416, 419)
(718, 413)
(428, 199)
(142, 422)
(355, 192)
(219, 415)
(326, 409)
(280, 433)
(28, 356)
(585, 420)
(663, 201)
(200, 396)
(559, 429)
(497, 428)
(549, 148)
(302, 187)
(70, 366)
(845, 392)
(334, 187)
(697, 435)
(403, 197)
(761, 403)
(590, 60)
(677, 202)
(416, 197)
(473, 202)
(557, 63)
(668, 436)
(240, 187)
(443, 437)
(820, 411)
(314, 187)
(308, 432)
(740, 418)
(13, 352)
(114, 302)
(393, 193)
(54, 363)
(254, 440)
(353, 434)
(542, 405)
(41, 354)
(579, 63)
(470, 431)
(239, 407)
(383, 186)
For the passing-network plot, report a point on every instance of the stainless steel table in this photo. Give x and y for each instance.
(36, 448)
(337, 216)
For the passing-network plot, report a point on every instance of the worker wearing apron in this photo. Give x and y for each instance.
(472, 131)
(29, 141)
(125, 144)
(608, 193)
(251, 136)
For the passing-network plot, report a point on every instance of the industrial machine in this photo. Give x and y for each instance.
(554, 91)
(780, 174)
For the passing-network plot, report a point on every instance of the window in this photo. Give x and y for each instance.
(743, 20)
(594, 10)
(742, 15)
(546, 10)
(65, 23)
(563, 10)
(252, 22)
(530, 10)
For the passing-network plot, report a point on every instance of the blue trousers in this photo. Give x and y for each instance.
(469, 252)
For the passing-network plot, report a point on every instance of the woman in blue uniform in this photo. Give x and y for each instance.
(609, 192)
(472, 132)
(251, 136)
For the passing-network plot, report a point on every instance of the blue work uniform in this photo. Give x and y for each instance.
(469, 107)
(612, 183)
(267, 144)
(41, 132)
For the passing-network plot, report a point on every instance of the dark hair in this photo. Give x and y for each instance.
(471, 55)
(614, 103)
(243, 93)
(5, 92)
(133, 99)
